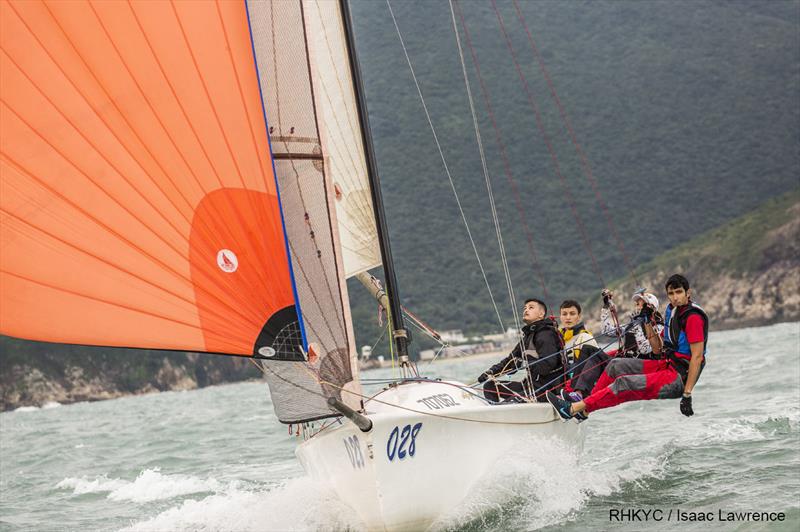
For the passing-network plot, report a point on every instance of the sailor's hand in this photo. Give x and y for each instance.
(647, 313)
(483, 377)
(686, 405)
(607, 295)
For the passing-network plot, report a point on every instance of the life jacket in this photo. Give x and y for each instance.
(538, 327)
(573, 351)
(675, 340)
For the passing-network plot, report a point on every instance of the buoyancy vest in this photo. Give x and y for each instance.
(536, 328)
(573, 339)
(675, 330)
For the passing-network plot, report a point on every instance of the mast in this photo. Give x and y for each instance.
(399, 332)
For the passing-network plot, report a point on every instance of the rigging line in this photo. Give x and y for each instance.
(446, 168)
(413, 317)
(439, 352)
(466, 389)
(433, 414)
(275, 65)
(495, 218)
(584, 159)
(550, 149)
(380, 337)
(506, 164)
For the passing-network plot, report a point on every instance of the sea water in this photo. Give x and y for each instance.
(217, 459)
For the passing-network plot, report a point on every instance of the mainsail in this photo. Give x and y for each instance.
(139, 205)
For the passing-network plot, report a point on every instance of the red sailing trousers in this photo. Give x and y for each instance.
(632, 379)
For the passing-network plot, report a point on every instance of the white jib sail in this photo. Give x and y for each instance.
(340, 133)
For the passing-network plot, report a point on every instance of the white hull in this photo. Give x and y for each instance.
(414, 467)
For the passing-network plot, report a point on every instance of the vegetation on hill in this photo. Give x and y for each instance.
(745, 272)
(687, 113)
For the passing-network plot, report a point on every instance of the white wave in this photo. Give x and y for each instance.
(26, 409)
(150, 485)
(299, 504)
(542, 483)
(83, 485)
(47, 406)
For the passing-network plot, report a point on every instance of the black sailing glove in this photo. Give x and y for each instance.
(606, 293)
(646, 313)
(483, 376)
(686, 406)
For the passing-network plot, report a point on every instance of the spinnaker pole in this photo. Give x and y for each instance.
(400, 334)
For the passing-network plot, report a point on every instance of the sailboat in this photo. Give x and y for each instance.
(199, 177)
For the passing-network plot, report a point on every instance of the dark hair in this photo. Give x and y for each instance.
(677, 281)
(567, 303)
(539, 302)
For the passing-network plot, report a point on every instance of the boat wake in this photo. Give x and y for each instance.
(540, 483)
(151, 485)
(297, 504)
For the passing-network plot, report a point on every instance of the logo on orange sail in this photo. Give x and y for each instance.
(227, 261)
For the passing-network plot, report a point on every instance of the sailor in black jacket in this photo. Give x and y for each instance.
(542, 358)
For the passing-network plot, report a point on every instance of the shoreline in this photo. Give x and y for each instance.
(65, 392)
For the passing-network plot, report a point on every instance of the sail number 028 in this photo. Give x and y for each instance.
(402, 442)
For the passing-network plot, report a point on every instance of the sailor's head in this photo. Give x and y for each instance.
(534, 310)
(678, 290)
(570, 314)
(645, 298)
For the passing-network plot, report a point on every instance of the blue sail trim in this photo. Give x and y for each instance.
(277, 185)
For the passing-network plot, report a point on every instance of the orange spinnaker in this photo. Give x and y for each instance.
(137, 200)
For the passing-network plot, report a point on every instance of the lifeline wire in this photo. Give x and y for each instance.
(506, 165)
(444, 163)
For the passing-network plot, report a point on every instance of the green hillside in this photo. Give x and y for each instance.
(747, 244)
(745, 272)
(686, 111)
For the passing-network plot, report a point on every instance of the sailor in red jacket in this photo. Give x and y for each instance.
(631, 379)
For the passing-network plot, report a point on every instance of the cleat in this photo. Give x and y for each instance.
(580, 417)
(561, 406)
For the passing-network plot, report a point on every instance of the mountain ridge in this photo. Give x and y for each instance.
(683, 107)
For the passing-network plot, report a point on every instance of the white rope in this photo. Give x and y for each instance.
(495, 219)
(446, 169)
